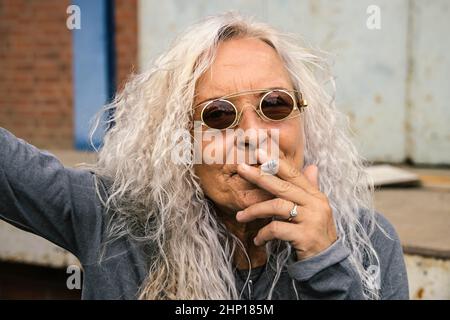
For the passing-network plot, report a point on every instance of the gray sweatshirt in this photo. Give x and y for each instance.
(39, 195)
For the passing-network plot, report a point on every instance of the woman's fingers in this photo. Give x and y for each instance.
(277, 230)
(313, 229)
(277, 207)
(288, 172)
(276, 186)
(311, 173)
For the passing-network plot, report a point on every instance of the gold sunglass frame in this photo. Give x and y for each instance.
(299, 104)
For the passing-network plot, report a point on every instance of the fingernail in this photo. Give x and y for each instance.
(255, 241)
(239, 214)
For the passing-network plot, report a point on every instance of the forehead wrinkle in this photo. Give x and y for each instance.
(217, 90)
(242, 79)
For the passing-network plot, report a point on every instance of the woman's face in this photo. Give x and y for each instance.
(240, 65)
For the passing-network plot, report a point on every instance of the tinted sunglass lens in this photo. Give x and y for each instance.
(219, 114)
(277, 105)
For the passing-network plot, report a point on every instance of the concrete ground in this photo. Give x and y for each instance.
(421, 216)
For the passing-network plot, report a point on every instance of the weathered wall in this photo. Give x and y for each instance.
(392, 82)
(429, 278)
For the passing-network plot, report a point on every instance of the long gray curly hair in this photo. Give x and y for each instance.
(155, 200)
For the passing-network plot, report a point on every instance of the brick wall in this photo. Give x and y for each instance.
(36, 90)
(36, 77)
(126, 39)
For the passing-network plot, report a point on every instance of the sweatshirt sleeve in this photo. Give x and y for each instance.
(330, 274)
(39, 195)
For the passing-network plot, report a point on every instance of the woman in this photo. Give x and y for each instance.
(147, 226)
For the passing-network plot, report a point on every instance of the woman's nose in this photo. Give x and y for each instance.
(249, 118)
(250, 125)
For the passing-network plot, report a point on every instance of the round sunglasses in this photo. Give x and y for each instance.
(274, 105)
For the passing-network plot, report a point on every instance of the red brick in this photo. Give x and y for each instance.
(33, 34)
(36, 89)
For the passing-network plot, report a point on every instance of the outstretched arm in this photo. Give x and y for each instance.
(38, 194)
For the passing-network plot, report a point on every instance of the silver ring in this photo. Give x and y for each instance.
(293, 213)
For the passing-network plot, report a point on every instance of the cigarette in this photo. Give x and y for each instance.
(270, 167)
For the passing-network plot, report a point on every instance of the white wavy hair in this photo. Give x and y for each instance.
(154, 200)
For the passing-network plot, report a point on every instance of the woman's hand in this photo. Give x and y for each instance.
(313, 229)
